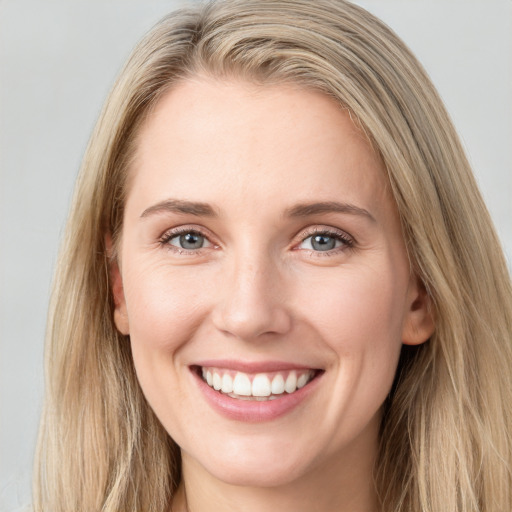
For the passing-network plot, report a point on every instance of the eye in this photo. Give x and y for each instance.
(325, 241)
(321, 242)
(188, 240)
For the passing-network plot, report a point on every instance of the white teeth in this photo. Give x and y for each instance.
(291, 383)
(278, 385)
(261, 385)
(242, 385)
(227, 383)
(217, 381)
(302, 380)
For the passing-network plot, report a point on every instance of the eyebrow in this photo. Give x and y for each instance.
(181, 206)
(308, 209)
(300, 210)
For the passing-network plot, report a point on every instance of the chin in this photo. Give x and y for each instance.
(247, 474)
(256, 465)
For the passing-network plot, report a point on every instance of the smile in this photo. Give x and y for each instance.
(260, 386)
(255, 392)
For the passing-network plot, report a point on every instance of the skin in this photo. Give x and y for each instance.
(259, 291)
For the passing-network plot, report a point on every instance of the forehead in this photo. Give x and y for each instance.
(219, 138)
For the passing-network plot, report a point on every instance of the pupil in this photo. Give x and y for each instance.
(191, 241)
(323, 243)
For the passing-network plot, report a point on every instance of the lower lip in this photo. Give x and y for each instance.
(254, 411)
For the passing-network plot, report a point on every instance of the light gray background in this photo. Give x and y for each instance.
(58, 59)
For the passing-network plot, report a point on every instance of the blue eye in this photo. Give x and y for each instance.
(190, 240)
(323, 242)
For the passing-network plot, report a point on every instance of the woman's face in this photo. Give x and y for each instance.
(262, 254)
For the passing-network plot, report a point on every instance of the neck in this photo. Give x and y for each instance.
(342, 484)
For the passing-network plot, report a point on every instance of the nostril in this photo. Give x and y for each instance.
(265, 320)
(250, 301)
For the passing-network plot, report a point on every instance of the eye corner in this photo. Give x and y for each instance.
(187, 240)
(324, 241)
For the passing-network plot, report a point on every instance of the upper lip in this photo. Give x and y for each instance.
(252, 366)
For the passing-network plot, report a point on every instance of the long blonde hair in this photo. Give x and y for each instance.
(447, 427)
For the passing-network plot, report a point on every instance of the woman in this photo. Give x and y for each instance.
(279, 287)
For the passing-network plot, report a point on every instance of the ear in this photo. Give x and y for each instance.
(419, 321)
(116, 281)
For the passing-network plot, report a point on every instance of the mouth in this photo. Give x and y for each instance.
(260, 387)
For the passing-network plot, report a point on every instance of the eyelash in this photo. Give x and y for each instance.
(347, 241)
(184, 230)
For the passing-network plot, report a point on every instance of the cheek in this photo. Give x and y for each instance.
(360, 319)
(164, 313)
(158, 301)
(358, 309)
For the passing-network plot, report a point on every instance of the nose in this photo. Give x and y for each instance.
(251, 301)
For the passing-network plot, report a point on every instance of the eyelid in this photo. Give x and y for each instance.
(171, 233)
(347, 239)
(327, 230)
